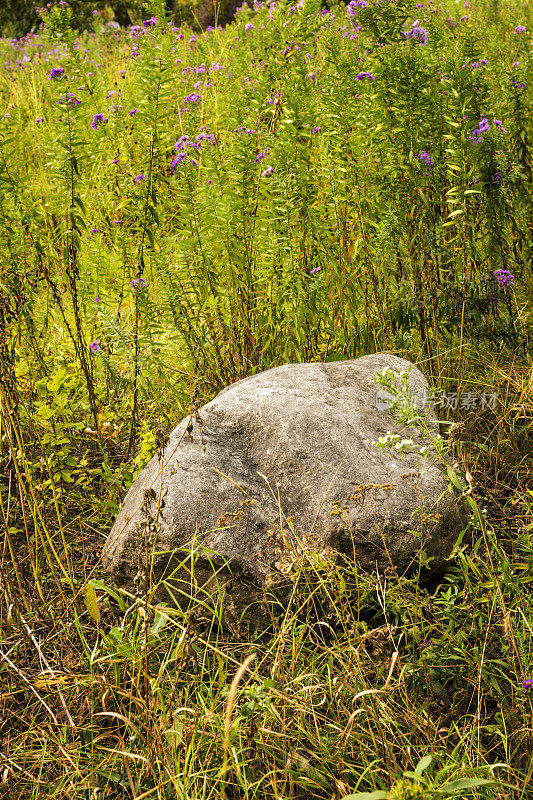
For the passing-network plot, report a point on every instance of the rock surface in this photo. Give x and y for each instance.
(284, 455)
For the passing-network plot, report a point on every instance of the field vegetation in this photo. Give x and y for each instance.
(183, 208)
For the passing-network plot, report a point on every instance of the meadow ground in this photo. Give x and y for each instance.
(180, 210)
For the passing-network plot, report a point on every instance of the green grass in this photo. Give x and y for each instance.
(351, 243)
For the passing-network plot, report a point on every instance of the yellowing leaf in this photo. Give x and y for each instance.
(92, 603)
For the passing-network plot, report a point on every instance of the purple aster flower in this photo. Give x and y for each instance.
(426, 643)
(176, 161)
(96, 299)
(148, 23)
(268, 172)
(504, 277)
(316, 130)
(69, 98)
(117, 222)
(419, 34)
(354, 5)
(519, 29)
(98, 119)
(194, 97)
(248, 26)
(315, 270)
(95, 346)
(40, 119)
(527, 683)
(140, 177)
(483, 125)
(426, 158)
(94, 230)
(499, 124)
(363, 75)
(138, 284)
(57, 72)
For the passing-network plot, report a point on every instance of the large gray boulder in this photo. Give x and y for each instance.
(279, 464)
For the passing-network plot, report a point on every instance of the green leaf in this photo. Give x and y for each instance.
(174, 734)
(79, 203)
(455, 479)
(462, 783)
(379, 795)
(423, 764)
(115, 595)
(92, 603)
(111, 776)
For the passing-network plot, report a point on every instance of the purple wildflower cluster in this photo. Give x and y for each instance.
(181, 155)
(69, 99)
(260, 157)
(98, 119)
(56, 72)
(426, 158)
(504, 277)
(95, 346)
(519, 29)
(426, 643)
(420, 35)
(478, 64)
(365, 75)
(149, 23)
(185, 142)
(138, 284)
(483, 127)
(140, 177)
(527, 683)
(242, 130)
(317, 269)
(353, 7)
(194, 97)
(499, 124)
(268, 172)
